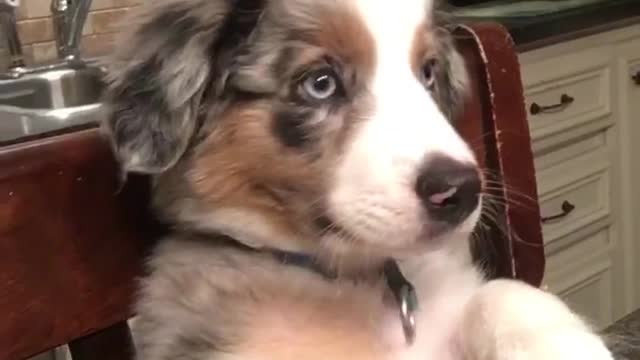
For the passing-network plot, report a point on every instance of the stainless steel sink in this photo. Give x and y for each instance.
(16, 123)
(49, 100)
(53, 89)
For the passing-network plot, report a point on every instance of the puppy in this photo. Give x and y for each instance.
(302, 152)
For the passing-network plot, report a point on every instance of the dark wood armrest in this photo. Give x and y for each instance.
(495, 124)
(71, 244)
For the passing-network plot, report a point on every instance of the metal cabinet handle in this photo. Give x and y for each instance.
(565, 100)
(636, 78)
(566, 207)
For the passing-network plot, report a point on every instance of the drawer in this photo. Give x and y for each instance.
(581, 274)
(568, 91)
(575, 206)
(591, 299)
(574, 187)
(590, 244)
(566, 154)
(568, 102)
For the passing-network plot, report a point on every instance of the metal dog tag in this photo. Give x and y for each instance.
(408, 304)
(406, 298)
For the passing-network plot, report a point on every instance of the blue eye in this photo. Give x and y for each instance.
(320, 85)
(428, 73)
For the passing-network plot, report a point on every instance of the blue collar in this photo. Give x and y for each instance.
(402, 290)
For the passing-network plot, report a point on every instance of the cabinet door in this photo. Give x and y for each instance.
(628, 89)
(574, 156)
(596, 271)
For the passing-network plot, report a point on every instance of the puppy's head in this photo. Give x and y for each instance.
(298, 124)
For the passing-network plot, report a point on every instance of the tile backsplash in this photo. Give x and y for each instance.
(36, 29)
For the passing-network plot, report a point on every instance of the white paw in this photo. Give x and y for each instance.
(509, 320)
(557, 344)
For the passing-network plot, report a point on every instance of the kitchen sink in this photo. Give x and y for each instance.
(53, 89)
(51, 99)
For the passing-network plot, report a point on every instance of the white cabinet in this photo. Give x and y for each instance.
(628, 65)
(581, 105)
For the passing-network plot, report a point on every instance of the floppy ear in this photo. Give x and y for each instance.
(156, 80)
(452, 78)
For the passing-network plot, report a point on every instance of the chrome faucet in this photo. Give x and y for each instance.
(69, 17)
(9, 27)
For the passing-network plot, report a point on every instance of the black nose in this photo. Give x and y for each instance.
(450, 190)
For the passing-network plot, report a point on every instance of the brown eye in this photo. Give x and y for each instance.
(320, 85)
(428, 73)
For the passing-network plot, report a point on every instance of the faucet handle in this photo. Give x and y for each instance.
(9, 5)
(9, 27)
(59, 6)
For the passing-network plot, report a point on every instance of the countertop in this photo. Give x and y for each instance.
(624, 337)
(537, 31)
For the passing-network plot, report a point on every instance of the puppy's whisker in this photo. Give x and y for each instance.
(490, 218)
(498, 190)
(498, 200)
(493, 178)
(511, 191)
(472, 142)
